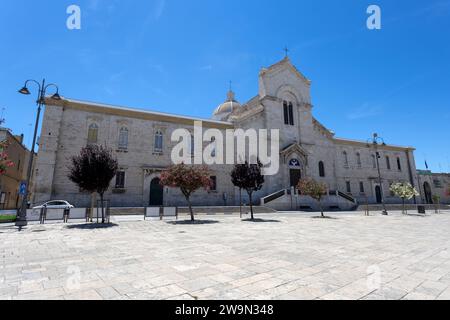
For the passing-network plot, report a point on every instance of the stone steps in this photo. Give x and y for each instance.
(197, 210)
(398, 207)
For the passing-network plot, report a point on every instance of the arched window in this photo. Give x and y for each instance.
(291, 114)
(399, 164)
(345, 156)
(93, 133)
(158, 142)
(213, 151)
(361, 187)
(358, 160)
(321, 169)
(388, 163)
(288, 110)
(123, 138)
(374, 161)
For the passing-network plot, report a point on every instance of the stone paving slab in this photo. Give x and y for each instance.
(290, 256)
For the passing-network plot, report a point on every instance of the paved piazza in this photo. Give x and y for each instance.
(289, 256)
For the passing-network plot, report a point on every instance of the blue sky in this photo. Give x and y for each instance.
(178, 56)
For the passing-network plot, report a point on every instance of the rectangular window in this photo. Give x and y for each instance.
(345, 159)
(120, 180)
(388, 163)
(361, 187)
(158, 148)
(213, 183)
(92, 133)
(374, 162)
(348, 186)
(391, 193)
(123, 138)
(437, 184)
(399, 164)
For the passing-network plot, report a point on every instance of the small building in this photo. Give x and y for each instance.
(10, 181)
(433, 184)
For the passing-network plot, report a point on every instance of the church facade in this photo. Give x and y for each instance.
(141, 141)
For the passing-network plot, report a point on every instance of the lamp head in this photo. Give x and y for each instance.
(56, 96)
(24, 90)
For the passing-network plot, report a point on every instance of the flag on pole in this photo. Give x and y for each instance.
(426, 164)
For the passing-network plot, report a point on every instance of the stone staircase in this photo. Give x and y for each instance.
(288, 200)
(232, 210)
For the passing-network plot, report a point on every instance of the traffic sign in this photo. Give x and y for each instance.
(23, 188)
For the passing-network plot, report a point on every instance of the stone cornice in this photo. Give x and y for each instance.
(340, 141)
(279, 100)
(135, 113)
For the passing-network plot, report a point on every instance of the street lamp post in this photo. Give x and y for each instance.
(21, 220)
(376, 140)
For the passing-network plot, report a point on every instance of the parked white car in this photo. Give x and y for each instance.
(55, 204)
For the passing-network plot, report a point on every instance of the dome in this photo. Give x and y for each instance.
(227, 107)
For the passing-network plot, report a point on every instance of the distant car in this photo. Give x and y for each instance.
(55, 204)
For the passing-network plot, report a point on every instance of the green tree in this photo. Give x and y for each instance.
(188, 179)
(437, 203)
(92, 171)
(314, 189)
(405, 191)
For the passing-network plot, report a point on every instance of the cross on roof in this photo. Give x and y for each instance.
(286, 50)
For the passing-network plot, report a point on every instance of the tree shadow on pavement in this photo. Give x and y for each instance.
(261, 221)
(189, 222)
(92, 226)
(325, 218)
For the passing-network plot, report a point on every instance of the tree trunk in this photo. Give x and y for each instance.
(190, 208)
(403, 205)
(240, 202)
(321, 209)
(250, 195)
(103, 212)
(91, 214)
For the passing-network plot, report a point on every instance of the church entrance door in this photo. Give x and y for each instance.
(156, 193)
(295, 176)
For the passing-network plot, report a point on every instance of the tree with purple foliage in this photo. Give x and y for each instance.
(5, 163)
(237, 178)
(249, 177)
(92, 171)
(188, 179)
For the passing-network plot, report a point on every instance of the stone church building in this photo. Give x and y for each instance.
(141, 141)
